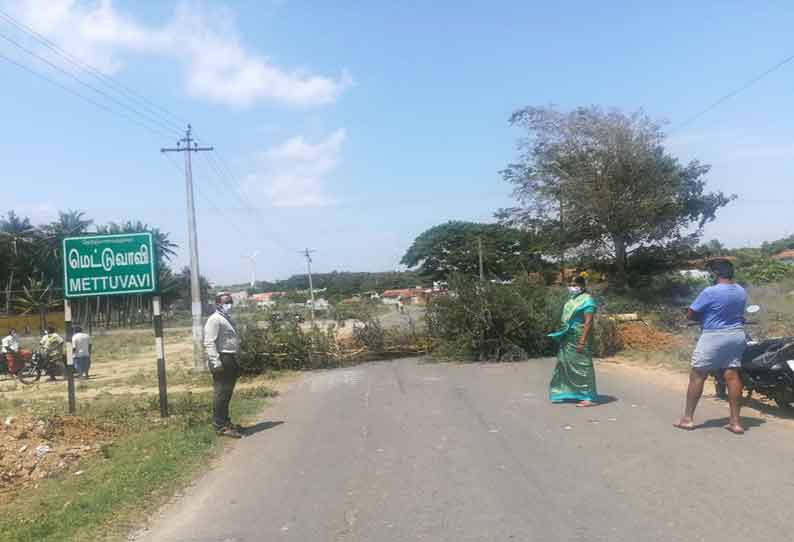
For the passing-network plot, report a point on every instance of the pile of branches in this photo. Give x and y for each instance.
(292, 348)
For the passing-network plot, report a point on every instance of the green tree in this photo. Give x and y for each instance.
(775, 247)
(164, 248)
(17, 237)
(69, 223)
(453, 248)
(38, 297)
(603, 181)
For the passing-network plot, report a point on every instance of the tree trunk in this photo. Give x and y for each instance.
(8, 292)
(618, 278)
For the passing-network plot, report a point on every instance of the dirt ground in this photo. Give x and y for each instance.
(135, 374)
(640, 336)
(33, 449)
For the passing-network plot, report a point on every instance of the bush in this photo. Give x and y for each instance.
(607, 340)
(482, 321)
(286, 348)
(756, 270)
(370, 335)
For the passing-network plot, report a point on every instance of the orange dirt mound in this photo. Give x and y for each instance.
(639, 336)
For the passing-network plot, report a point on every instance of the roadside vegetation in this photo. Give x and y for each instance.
(141, 461)
(95, 475)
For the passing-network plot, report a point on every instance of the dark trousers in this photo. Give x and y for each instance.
(223, 387)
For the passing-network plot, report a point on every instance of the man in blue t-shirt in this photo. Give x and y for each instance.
(720, 311)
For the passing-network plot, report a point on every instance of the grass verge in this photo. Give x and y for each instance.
(147, 463)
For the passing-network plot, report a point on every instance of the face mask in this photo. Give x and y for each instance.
(227, 307)
(574, 290)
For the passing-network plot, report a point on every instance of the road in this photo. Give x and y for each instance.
(400, 451)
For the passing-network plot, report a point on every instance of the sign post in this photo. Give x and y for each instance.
(157, 321)
(122, 264)
(67, 321)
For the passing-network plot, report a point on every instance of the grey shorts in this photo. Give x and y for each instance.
(719, 349)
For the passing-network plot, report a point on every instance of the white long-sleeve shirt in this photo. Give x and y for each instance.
(220, 337)
(10, 343)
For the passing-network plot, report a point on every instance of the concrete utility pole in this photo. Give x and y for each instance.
(187, 146)
(308, 254)
(479, 253)
(252, 258)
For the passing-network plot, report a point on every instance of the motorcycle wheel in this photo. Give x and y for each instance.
(29, 374)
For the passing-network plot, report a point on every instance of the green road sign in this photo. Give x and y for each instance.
(109, 265)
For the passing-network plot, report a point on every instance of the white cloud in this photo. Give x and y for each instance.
(218, 66)
(293, 173)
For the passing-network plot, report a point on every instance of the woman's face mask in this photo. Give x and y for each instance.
(227, 307)
(574, 290)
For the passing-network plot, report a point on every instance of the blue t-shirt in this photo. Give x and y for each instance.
(721, 306)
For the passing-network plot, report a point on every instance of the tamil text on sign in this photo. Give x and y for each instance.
(109, 265)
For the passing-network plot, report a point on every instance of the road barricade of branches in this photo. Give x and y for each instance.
(292, 348)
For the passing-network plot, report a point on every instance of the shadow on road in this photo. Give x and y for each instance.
(747, 423)
(770, 408)
(606, 399)
(766, 406)
(261, 426)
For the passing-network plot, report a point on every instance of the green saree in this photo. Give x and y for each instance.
(574, 375)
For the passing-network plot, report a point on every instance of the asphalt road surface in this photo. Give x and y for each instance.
(403, 451)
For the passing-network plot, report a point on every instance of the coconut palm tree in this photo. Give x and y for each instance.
(16, 238)
(38, 297)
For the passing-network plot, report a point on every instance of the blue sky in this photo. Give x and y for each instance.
(351, 127)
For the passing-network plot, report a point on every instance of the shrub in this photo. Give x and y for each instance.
(607, 340)
(481, 321)
(756, 270)
(286, 348)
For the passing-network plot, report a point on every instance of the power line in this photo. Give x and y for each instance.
(88, 68)
(76, 93)
(207, 198)
(116, 92)
(227, 179)
(731, 94)
(154, 121)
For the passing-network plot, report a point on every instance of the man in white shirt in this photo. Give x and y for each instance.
(81, 348)
(222, 346)
(11, 342)
(10, 350)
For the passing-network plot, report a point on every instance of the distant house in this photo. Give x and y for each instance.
(415, 296)
(266, 299)
(786, 257)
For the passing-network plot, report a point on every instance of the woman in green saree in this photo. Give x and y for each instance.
(574, 375)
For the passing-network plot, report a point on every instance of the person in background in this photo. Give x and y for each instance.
(720, 311)
(222, 346)
(52, 347)
(574, 375)
(11, 342)
(10, 350)
(81, 351)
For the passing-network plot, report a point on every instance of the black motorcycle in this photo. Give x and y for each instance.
(767, 367)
